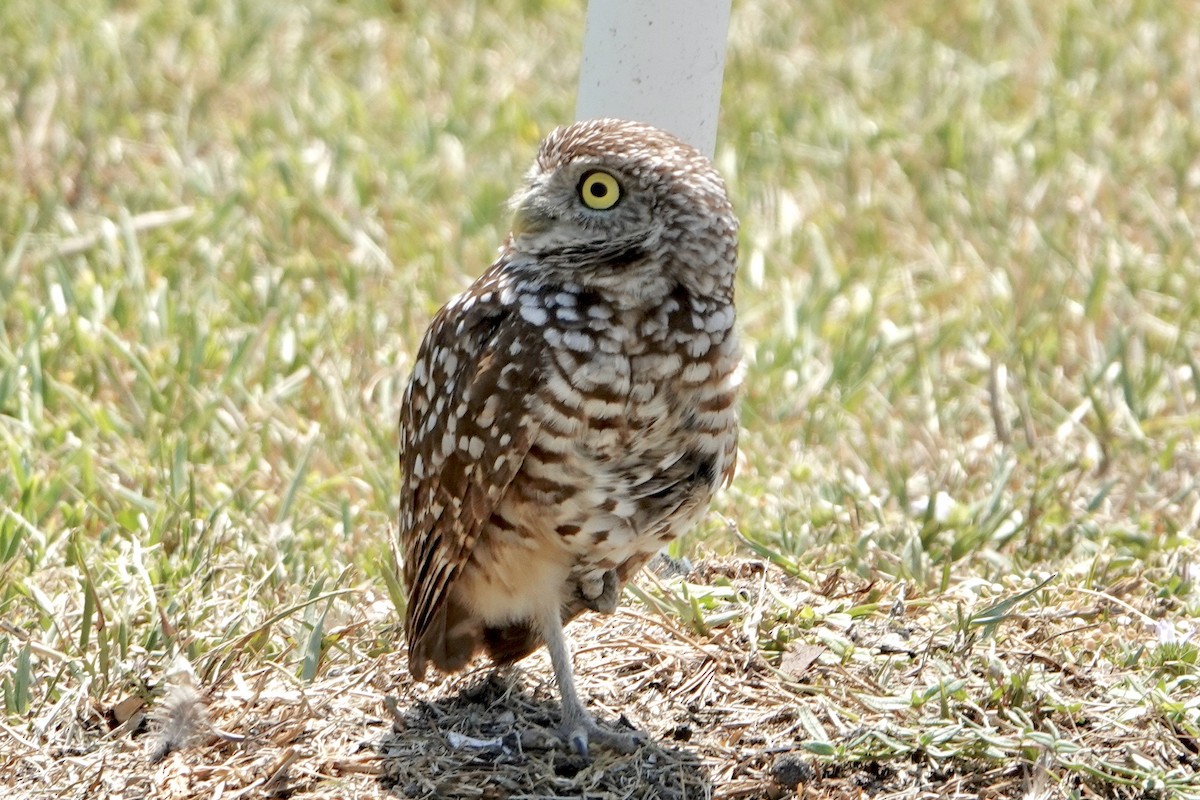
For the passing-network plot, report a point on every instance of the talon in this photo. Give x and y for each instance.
(579, 743)
(582, 735)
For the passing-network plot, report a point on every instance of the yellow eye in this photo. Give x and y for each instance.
(599, 190)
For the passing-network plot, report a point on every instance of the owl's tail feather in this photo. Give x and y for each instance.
(451, 640)
(511, 642)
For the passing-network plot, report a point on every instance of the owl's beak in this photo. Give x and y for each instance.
(529, 218)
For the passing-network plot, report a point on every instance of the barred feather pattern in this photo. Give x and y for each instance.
(574, 410)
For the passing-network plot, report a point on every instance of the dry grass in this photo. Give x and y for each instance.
(971, 446)
(985, 691)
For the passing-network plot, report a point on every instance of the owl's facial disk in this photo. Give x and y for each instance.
(579, 205)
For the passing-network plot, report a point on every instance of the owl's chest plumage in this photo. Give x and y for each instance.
(635, 429)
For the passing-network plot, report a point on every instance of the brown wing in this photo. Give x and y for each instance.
(464, 432)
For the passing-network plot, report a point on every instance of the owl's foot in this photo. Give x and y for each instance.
(578, 728)
(599, 591)
(580, 733)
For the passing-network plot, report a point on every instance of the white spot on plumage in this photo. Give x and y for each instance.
(487, 415)
(602, 372)
(534, 315)
(557, 423)
(578, 341)
(642, 392)
(651, 327)
(564, 392)
(448, 359)
(719, 320)
(665, 366)
(596, 408)
(697, 371)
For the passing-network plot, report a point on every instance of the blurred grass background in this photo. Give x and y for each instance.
(970, 294)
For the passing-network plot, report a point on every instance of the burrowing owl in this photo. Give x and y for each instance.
(573, 410)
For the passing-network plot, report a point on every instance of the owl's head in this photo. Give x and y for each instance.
(623, 205)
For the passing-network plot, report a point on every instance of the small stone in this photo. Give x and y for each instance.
(790, 770)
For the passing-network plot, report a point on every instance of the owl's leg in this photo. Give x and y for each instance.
(578, 727)
(599, 591)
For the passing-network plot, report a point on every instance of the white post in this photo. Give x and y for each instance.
(656, 61)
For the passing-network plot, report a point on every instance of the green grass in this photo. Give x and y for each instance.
(970, 294)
